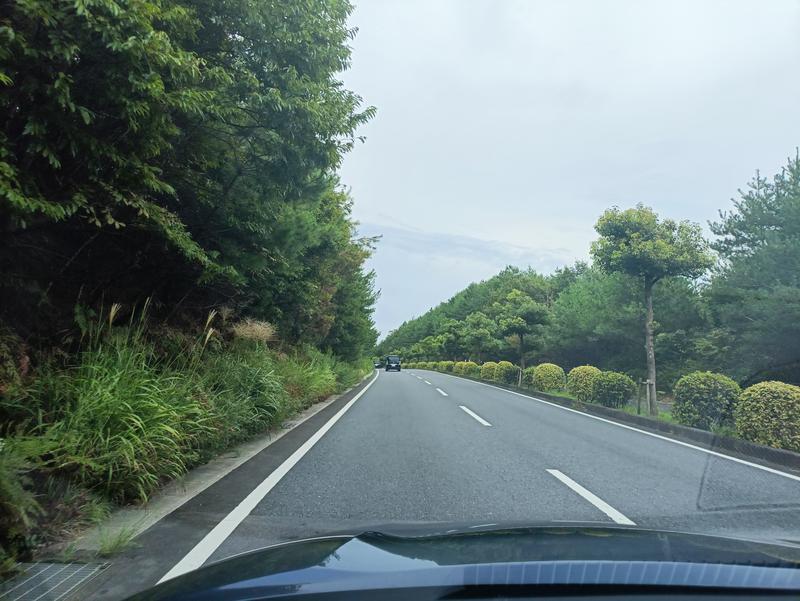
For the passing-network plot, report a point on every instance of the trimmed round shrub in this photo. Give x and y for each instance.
(613, 389)
(505, 373)
(458, 367)
(548, 376)
(471, 369)
(580, 382)
(527, 375)
(704, 399)
(487, 370)
(446, 366)
(768, 413)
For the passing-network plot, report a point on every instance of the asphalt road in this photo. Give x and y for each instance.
(420, 447)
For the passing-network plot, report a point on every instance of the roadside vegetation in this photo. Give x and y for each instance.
(179, 270)
(720, 319)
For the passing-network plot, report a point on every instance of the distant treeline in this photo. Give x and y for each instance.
(741, 317)
(183, 151)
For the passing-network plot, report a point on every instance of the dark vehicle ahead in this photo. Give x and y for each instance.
(564, 562)
(392, 362)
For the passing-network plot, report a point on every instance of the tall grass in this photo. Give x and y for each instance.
(131, 411)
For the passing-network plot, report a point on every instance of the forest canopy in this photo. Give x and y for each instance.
(184, 152)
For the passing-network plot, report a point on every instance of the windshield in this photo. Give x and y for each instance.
(274, 270)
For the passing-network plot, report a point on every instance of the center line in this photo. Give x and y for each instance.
(476, 416)
(428, 383)
(592, 498)
(442, 392)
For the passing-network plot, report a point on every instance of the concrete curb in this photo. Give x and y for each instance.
(771, 457)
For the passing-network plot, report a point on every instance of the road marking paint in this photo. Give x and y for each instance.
(211, 541)
(633, 429)
(428, 383)
(592, 498)
(442, 392)
(475, 415)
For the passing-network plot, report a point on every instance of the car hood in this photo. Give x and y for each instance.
(398, 557)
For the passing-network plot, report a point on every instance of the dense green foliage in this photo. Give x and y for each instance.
(769, 413)
(184, 151)
(580, 381)
(505, 372)
(704, 399)
(548, 377)
(612, 389)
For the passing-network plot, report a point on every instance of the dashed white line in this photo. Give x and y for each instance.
(442, 392)
(211, 541)
(428, 383)
(645, 432)
(592, 498)
(475, 415)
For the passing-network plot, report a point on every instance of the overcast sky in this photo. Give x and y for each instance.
(505, 127)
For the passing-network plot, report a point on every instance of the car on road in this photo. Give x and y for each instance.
(392, 362)
(377, 364)
(580, 561)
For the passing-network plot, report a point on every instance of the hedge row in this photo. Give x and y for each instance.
(765, 413)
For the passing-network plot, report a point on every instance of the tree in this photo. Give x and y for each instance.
(519, 316)
(479, 335)
(755, 294)
(636, 242)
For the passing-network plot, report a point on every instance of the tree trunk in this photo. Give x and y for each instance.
(648, 345)
(521, 352)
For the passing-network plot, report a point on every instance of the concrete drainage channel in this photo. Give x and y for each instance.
(43, 581)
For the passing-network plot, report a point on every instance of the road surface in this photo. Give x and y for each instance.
(417, 446)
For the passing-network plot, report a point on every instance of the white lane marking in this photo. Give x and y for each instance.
(592, 498)
(206, 547)
(418, 377)
(442, 392)
(476, 416)
(653, 434)
(428, 383)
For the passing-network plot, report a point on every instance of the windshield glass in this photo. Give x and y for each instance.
(275, 270)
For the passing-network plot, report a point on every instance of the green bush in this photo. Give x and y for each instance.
(505, 372)
(458, 367)
(487, 370)
(548, 377)
(580, 382)
(18, 506)
(527, 376)
(471, 369)
(705, 399)
(768, 413)
(613, 389)
(446, 366)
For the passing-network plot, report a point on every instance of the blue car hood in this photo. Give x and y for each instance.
(449, 559)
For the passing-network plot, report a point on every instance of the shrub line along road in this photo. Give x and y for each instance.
(415, 447)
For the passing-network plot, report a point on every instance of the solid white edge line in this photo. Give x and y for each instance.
(592, 498)
(211, 541)
(442, 392)
(475, 415)
(653, 434)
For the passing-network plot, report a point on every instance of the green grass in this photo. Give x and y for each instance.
(112, 543)
(129, 413)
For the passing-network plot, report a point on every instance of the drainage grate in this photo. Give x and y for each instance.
(47, 581)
